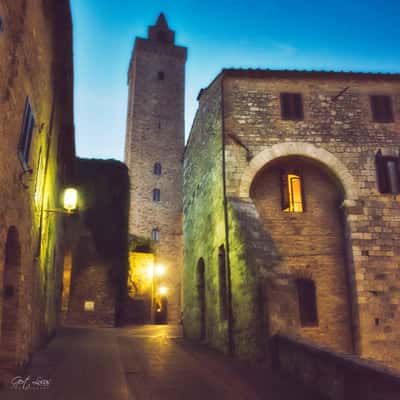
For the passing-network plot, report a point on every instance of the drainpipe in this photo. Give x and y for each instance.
(226, 221)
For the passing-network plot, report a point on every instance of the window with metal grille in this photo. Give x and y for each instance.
(223, 299)
(292, 192)
(155, 234)
(1, 25)
(156, 195)
(157, 169)
(25, 140)
(381, 107)
(307, 301)
(292, 106)
(388, 173)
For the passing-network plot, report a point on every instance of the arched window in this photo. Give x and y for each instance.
(223, 300)
(157, 169)
(13, 250)
(156, 195)
(307, 301)
(11, 281)
(155, 234)
(201, 287)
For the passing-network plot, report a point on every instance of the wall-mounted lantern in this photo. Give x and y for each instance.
(70, 202)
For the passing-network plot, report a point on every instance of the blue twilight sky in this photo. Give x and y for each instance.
(358, 35)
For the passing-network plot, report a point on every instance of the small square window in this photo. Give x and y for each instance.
(155, 235)
(381, 107)
(292, 106)
(25, 140)
(161, 75)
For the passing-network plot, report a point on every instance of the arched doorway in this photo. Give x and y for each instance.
(299, 203)
(201, 287)
(10, 301)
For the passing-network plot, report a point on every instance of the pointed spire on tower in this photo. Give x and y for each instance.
(161, 21)
(160, 32)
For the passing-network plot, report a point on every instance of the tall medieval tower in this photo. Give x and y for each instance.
(154, 148)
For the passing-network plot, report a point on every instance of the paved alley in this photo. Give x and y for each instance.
(142, 363)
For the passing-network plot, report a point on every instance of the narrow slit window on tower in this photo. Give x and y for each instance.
(292, 192)
(161, 75)
(381, 107)
(25, 140)
(223, 300)
(388, 173)
(155, 234)
(156, 195)
(307, 302)
(292, 106)
(157, 169)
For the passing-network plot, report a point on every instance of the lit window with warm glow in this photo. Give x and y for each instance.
(292, 198)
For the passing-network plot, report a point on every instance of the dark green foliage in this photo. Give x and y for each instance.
(140, 244)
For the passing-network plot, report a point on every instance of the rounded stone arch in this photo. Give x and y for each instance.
(11, 289)
(303, 150)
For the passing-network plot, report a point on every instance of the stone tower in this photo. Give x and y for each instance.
(154, 148)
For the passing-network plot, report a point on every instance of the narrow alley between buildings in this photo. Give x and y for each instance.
(149, 362)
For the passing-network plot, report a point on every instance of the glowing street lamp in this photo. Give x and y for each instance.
(70, 199)
(70, 202)
(160, 270)
(162, 290)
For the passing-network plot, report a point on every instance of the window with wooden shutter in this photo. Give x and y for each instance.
(25, 140)
(292, 195)
(307, 302)
(381, 107)
(292, 106)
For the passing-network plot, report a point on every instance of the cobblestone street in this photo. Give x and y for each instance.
(144, 363)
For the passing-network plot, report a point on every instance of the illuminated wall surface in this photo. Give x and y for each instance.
(140, 275)
(332, 227)
(32, 238)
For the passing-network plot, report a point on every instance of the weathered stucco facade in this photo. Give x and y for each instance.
(36, 157)
(154, 149)
(343, 242)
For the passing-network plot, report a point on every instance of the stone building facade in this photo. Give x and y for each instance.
(154, 149)
(292, 212)
(94, 280)
(36, 157)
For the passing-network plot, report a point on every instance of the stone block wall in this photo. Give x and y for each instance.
(155, 134)
(90, 282)
(334, 375)
(351, 226)
(204, 228)
(338, 132)
(34, 67)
